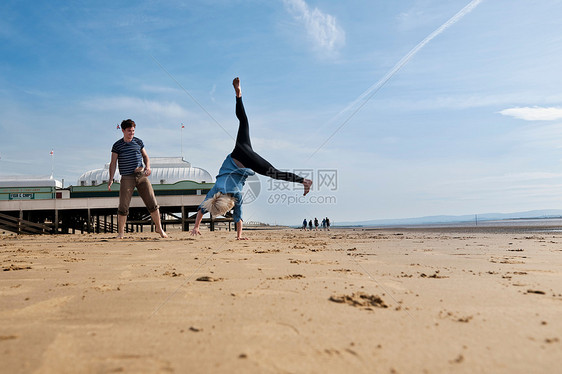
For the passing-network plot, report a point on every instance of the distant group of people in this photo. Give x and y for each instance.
(309, 224)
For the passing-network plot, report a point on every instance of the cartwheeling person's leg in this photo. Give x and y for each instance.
(252, 160)
(244, 153)
(261, 166)
(243, 143)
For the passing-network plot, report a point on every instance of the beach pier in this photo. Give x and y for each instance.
(40, 205)
(94, 214)
(28, 218)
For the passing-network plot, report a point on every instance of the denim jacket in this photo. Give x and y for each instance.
(230, 179)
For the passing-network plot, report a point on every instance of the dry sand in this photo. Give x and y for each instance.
(286, 301)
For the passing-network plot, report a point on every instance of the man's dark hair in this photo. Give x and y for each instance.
(128, 123)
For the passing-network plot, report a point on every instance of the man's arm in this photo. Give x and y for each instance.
(112, 167)
(146, 160)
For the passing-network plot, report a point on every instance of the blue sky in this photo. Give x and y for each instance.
(471, 124)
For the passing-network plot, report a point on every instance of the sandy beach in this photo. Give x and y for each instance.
(285, 301)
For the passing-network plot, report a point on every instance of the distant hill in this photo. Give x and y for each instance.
(532, 214)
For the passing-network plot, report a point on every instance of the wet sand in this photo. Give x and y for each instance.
(286, 301)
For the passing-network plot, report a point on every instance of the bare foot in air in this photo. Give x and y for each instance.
(236, 84)
(307, 183)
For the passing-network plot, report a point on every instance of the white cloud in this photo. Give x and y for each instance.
(415, 18)
(135, 105)
(212, 93)
(534, 113)
(322, 28)
(159, 89)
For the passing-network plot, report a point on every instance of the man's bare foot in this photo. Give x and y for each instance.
(237, 89)
(120, 236)
(307, 183)
(241, 238)
(161, 231)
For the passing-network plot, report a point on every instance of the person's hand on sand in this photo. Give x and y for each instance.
(195, 231)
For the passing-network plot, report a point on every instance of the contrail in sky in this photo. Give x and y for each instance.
(371, 91)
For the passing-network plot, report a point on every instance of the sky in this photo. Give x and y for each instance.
(393, 114)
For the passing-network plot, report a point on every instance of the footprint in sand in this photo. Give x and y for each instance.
(13, 267)
(360, 300)
(207, 278)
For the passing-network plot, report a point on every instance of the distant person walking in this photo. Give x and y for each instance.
(324, 224)
(304, 223)
(310, 224)
(327, 224)
(129, 153)
(316, 223)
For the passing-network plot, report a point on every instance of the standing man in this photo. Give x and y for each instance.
(129, 152)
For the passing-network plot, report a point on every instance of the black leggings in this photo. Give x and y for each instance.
(244, 153)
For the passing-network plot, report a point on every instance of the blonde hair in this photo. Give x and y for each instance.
(219, 204)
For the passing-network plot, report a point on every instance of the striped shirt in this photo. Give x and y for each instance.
(129, 155)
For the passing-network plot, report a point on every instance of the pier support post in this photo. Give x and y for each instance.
(56, 222)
